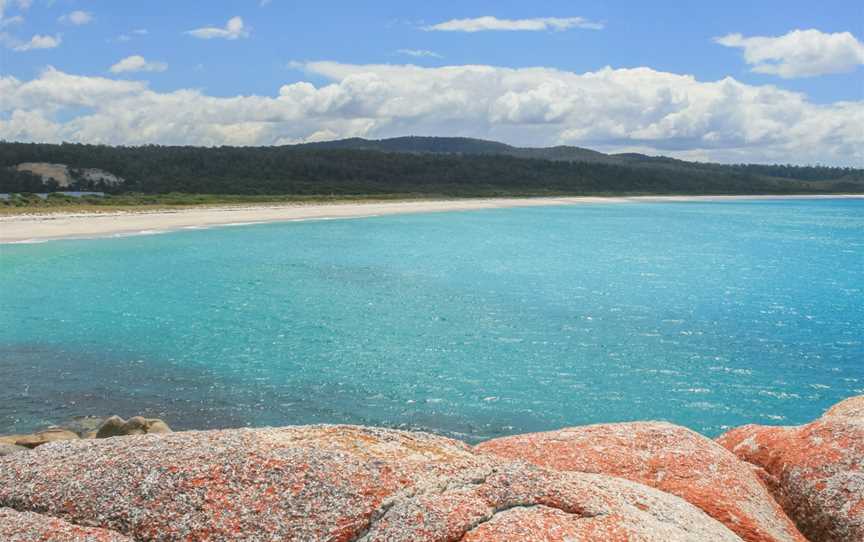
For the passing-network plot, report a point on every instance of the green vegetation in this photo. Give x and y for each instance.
(31, 203)
(403, 167)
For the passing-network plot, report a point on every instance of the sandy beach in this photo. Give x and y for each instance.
(71, 225)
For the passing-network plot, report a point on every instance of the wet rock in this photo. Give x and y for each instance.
(665, 456)
(8, 449)
(83, 425)
(10, 439)
(29, 527)
(155, 425)
(115, 426)
(335, 483)
(815, 471)
(51, 434)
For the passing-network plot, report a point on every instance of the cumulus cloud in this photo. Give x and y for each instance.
(418, 53)
(137, 63)
(36, 42)
(609, 109)
(481, 24)
(800, 53)
(76, 18)
(233, 30)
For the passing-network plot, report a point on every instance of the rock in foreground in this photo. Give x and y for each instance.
(665, 456)
(8, 449)
(29, 527)
(815, 471)
(852, 407)
(336, 483)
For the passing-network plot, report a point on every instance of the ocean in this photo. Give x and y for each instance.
(469, 324)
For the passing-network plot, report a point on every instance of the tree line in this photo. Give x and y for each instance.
(305, 171)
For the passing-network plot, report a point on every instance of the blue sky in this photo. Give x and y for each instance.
(284, 42)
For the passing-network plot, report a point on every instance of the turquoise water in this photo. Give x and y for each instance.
(471, 324)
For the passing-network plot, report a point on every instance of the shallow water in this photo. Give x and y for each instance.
(472, 324)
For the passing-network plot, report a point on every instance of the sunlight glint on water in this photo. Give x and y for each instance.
(471, 324)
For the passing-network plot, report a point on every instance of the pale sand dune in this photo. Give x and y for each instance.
(32, 228)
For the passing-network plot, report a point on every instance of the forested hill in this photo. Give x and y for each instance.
(407, 166)
(463, 145)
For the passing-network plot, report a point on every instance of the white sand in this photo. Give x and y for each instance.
(35, 227)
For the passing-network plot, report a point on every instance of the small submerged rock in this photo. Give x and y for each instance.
(815, 471)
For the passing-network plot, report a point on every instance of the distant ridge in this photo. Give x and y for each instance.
(405, 166)
(463, 145)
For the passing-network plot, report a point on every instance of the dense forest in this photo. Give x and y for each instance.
(410, 166)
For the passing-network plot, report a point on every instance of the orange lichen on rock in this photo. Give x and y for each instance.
(815, 471)
(665, 456)
(30, 527)
(296, 483)
(333, 483)
(852, 407)
(518, 501)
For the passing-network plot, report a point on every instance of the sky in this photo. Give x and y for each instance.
(735, 81)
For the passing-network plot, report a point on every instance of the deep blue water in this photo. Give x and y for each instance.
(472, 324)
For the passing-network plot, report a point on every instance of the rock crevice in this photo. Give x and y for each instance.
(815, 471)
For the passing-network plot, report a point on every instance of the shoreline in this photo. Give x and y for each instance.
(338, 481)
(36, 228)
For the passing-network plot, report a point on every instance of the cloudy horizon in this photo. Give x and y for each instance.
(770, 97)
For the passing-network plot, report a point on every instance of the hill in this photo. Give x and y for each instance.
(462, 145)
(427, 166)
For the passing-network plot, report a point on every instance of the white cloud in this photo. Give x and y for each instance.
(11, 21)
(129, 36)
(76, 18)
(418, 53)
(800, 53)
(608, 109)
(480, 24)
(137, 63)
(22, 5)
(234, 29)
(36, 42)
